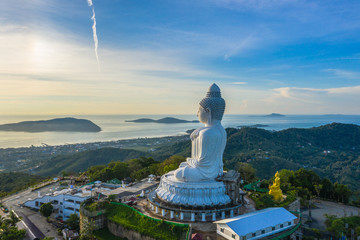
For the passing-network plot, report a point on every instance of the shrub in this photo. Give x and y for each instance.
(159, 229)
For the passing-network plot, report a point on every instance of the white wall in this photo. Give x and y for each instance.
(67, 204)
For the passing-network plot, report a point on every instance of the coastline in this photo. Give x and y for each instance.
(17, 159)
(114, 128)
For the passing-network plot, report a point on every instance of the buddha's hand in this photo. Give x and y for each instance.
(183, 164)
(195, 134)
(191, 162)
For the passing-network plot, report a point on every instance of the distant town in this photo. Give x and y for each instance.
(21, 159)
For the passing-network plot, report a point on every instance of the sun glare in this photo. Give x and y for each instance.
(42, 55)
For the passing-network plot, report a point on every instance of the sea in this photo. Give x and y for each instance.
(115, 127)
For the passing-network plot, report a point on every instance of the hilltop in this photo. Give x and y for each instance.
(275, 115)
(162, 120)
(53, 125)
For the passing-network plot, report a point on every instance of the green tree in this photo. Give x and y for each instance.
(247, 172)
(286, 176)
(8, 229)
(13, 218)
(170, 164)
(327, 190)
(112, 197)
(306, 179)
(120, 170)
(337, 228)
(11, 233)
(87, 230)
(342, 192)
(73, 221)
(64, 173)
(357, 230)
(46, 209)
(318, 188)
(329, 219)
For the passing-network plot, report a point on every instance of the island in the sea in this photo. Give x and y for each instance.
(54, 125)
(255, 125)
(162, 120)
(275, 115)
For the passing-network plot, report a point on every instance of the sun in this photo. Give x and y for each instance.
(42, 55)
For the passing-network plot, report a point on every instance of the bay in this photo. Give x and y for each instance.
(114, 127)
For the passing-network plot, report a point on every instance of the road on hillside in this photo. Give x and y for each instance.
(33, 222)
(30, 226)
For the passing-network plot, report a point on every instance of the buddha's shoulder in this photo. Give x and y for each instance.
(212, 131)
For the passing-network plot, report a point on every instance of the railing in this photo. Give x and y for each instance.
(254, 187)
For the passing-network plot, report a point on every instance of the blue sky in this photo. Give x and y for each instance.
(286, 56)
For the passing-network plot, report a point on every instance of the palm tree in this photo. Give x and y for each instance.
(13, 218)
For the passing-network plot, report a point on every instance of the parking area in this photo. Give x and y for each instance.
(330, 208)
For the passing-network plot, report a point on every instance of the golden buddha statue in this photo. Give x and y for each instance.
(275, 190)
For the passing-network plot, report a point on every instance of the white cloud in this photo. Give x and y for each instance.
(295, 92)
(343, 73)
(239, 83)
(352, 91)
(255, 4)
(296, 100)
(59, 70)
(244, 44)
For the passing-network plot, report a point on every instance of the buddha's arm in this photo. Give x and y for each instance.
(184, 164)
(204, 151)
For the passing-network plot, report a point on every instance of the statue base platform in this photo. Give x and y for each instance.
(191, 194)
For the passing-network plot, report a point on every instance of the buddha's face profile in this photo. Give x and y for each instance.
(203, 115)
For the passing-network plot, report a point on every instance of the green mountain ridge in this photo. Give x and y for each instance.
(54, 125)
(167, 120)
(331, 150)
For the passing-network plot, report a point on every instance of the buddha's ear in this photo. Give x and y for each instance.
(209, 115)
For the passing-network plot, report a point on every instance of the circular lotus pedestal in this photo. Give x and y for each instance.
(191, 194)
(191, 201)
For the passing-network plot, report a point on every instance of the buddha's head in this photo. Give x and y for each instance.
(212, 107)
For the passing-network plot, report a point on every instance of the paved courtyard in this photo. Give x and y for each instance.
(330, 208)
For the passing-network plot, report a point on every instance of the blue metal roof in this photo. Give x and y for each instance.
(258, 220)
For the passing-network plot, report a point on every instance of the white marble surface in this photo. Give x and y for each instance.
(206, 162)
(193, 183)
(197, 194)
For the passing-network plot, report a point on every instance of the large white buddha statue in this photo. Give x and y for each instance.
(193, 184)
(208, 143)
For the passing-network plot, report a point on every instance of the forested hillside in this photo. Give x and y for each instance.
(331, 150)
(83, 160)
(15, 181)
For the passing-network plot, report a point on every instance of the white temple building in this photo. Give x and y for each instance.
(64, 202)
(256, 225)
